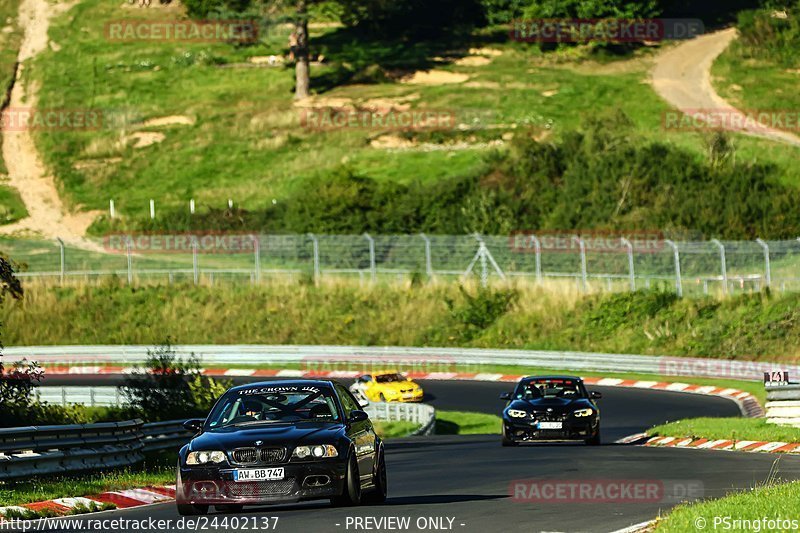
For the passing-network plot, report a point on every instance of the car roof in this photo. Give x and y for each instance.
(286, 383)
(551, 376)
(383, 373)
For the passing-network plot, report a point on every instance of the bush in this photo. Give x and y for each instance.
(478, 312)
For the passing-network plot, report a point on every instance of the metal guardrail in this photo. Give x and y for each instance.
(429, 360)
(783, 405)
(418, 413)
(49, 450)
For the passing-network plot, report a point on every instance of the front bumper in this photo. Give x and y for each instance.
(415, 396)
(572, 429)
(302, 481)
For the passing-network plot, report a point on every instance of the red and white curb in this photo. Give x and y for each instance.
(730, 445)
(121, 499)
(748, 403)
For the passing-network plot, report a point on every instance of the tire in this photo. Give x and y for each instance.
(506, 441)
(379, 480)
(232, 508)
(351, 494)
(594, 441)
(192, 510)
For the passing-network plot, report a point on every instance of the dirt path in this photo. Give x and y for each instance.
(682, 76)
(47, 215)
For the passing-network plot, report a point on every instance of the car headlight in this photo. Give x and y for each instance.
(516, 413)
(204, 458)
(583, 412)
(319, 451)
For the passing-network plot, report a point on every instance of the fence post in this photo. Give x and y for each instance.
(484, 267)
(191, 206)
(428, 259)
(677, 256)
(111, 210)
(767, 267)
(537, 248)
(584, 273)
(129, 257)
(315, 245)
(62, 256)
(373, 270)
(195, 261)
(723, 264)
(257, 254)
(152, 208)
(631, 271)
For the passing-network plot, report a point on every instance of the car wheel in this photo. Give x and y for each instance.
(229, 508)
(351, 494)
(379, 480)
(192, 510)
(506, 441)
(594, 441)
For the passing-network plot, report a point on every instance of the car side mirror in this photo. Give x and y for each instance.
(194, 425)
(594, 395)
(505, 396)
(358, 416)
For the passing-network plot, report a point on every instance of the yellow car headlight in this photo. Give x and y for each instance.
(583, 412)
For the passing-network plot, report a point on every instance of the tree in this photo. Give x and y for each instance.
(18, 383)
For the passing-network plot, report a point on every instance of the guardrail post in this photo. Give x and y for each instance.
(584, 273)
(63, 396)
(767, 267)
(62, 256)
(129, 258)
(315, 246)
(428, 259)
(677, 257)
(257, 256)
(91, 396)
(111, 210)
(373, 269)
(195, 261)
(152, 208)
(631, 271)
(723, 264)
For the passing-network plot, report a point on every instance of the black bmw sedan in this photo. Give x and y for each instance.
(281, 441)
(555, 408)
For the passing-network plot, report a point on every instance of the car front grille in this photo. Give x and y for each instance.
(260, 489)
(254, 456)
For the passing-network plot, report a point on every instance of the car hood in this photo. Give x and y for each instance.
(268, 434)
(398, 386)
(558, 405)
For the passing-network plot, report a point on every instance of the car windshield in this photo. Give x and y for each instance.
(551, 388)
(389, 378)
(274, 404)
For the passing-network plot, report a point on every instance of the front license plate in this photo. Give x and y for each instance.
(550, 425)
(258, 474)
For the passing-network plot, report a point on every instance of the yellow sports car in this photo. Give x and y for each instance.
(387, 386)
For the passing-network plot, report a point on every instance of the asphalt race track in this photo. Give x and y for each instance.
(468, 479)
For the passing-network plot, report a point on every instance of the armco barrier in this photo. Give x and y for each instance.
(48, 450)
(418, 413)
(783, 405)
(328, 358)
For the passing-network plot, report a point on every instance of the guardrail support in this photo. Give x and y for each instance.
(373, 270)
(677, 257)
(767, 267)
(723, 264)
(631, 271)
(315, 246)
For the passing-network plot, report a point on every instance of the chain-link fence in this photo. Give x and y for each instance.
(587, 264)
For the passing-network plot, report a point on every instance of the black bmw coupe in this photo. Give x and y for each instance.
(281, 441)
(543, 408)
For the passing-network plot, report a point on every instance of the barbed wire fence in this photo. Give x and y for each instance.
(587, 264)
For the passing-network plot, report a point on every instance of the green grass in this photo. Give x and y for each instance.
(755, 429)
(11, 206)
(41, 489)
(247, 144)
(392, 430)
(770, 502)
(9, 46)
(465, 423)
